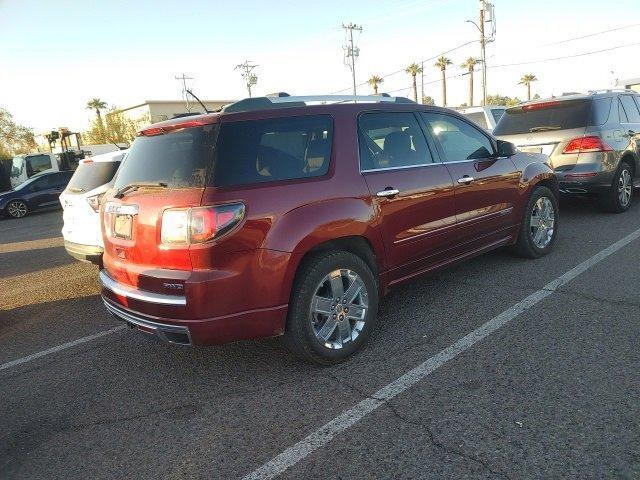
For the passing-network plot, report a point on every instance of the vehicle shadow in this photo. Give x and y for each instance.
(34, 260)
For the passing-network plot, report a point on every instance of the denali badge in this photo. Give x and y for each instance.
(174, 286)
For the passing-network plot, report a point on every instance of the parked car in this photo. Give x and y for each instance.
(281, 216)
(23, 167)
(487, 117)
(81, 203)
(37, 193)
(593, 141)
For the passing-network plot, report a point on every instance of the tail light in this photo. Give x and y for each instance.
(184, 226)
(94, 202)
(587, 144)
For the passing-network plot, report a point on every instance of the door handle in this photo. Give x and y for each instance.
(388, 192)
(466, 180)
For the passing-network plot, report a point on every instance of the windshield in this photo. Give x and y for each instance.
(180, 159)
(92, 175)
(16, 166)
(553, 115)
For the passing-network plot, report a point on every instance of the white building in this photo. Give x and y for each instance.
(630, 83)
(152, 111)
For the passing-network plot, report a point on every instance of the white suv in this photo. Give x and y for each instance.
(81, 204)
(485, 117)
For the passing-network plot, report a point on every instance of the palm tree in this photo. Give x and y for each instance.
(527, 80)
(470, 64)
(374, 81)
(442, 64)
(97, 105)
(414, 69)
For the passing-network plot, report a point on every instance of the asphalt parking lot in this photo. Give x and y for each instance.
(553, 393)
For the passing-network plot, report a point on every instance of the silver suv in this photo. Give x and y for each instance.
(592, 140)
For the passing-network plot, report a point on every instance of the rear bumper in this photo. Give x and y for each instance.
(85, 253)
(126, 302)
(587, 182)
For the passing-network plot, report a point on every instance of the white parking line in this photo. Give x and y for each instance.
(64, 346)
(342, 422)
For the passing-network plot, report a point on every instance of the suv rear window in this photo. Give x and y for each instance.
(275, 149)
(554, 115)
(180, 158)
(92, 175)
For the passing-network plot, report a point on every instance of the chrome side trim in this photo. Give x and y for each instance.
(158, 328)
(404, 167)
(137, 294)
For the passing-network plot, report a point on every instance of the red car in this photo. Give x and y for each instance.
(293, 216)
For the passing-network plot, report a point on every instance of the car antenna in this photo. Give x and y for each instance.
(200, 102)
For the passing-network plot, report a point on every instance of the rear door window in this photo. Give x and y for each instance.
(270, 150)
(545, 116)
(92, 175)
(630, 108)
(391, 140)
(459, 140)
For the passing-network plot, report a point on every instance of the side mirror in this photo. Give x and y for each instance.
(506, 149)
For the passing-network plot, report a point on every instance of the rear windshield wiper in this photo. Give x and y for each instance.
(134, 186)
(545, 128)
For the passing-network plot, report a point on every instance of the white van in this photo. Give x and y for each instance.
(81, 204)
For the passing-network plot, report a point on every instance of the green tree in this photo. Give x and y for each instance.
(97, 105)
(442, 64)
(374, 81)
(14, 138)
(502, 100)
(117, 128)
(470, 64)
(427, 100)
(527, 80)
(414, 69)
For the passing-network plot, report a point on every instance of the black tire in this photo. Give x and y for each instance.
(526, 246)
(16, 209)
(610, 200)
(300, 336)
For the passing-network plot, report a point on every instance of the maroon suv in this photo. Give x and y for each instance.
(293, 216)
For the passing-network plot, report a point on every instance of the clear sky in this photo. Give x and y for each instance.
(56, 55)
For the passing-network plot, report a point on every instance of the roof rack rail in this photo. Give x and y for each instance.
(283, 100)
(611, 90)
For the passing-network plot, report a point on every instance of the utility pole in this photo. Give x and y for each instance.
(487, 15)
(422, 82)
(351, 51)
(483, 46)
(250, 78)
(184, 79)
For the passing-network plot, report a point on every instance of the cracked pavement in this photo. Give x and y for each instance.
(553, 394)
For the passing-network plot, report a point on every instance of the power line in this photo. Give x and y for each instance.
(583, 54)
(403, 68)
(590, 35)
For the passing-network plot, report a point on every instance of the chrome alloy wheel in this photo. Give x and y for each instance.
(625, 187)
(542, 222)
(17, 209)
(339, 308)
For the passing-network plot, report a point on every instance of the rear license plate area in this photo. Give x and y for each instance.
(122, 226)
(531, 149)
